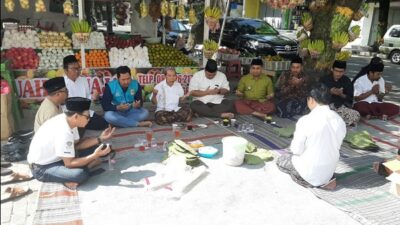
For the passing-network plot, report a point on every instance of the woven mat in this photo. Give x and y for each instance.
(359, 183)
(57, 205)
(362, 193)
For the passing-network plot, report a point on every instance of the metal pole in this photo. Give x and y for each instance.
(244, 9)
(206, 31)
(223, 22)
(80, 14)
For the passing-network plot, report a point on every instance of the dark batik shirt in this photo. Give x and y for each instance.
(348, 89)
(286, 89)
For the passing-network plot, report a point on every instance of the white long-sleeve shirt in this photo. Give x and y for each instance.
(364, 84)
(316, 144)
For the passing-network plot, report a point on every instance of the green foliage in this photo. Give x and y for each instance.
(339, 23)
(81, 26)
(356, 30)
(316, 46)
(306, 18)
(304, 44)
(340, 38)
(343, 56)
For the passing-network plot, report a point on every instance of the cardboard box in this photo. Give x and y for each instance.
(7, 121)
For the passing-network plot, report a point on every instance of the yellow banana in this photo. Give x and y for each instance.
(9, 5)
(172, 10)
(192, 16)
(144, 9)
(164, 8)
(181, 12)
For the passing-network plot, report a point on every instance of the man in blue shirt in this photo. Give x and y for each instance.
(122, 101)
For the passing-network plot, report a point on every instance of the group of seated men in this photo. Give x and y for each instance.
(53, 156)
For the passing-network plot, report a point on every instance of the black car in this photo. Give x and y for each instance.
(255, 36)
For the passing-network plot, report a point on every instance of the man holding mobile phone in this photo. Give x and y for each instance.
(122, 101)
(52, 156)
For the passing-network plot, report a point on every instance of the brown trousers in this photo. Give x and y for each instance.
(246, 107)
(377, 109)
(184, 114)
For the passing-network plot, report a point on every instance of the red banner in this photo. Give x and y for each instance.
(32, 88)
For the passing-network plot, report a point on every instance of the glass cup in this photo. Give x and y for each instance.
(153, 143)
(176, 131)
(250, 128)
(244, 127)
(239, 127)
(149, 136)
(110, 163)
(384, 117)
(233, 122)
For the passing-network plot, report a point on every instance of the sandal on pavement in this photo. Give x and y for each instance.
(5, 164)
(14, 192)
(5, 171)
(16, 177)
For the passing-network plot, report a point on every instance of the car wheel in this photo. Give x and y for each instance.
(395, 56)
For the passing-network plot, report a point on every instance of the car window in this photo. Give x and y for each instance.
(256, 27)
(394, 33)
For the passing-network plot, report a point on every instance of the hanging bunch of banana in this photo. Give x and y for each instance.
(192, 16)
(144, 9)
(181, 12)
(40, 6)
(24, 4)
(164, 8)
(172, 10)
(67, 6)
(9, 5)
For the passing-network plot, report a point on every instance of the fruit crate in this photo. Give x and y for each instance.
(246, 60)
(276, 65)
(227, 57)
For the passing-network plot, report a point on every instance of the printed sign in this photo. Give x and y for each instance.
(32, 88)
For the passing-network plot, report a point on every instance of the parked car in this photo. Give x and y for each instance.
(177, 28)
(391, 44)
(256, 37)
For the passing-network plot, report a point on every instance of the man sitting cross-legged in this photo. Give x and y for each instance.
(122, 101)
(208, 88)
(51, 105)
(292, 88)
(314, 151)
(52, 155)
(256, 91)
(369, 91)
(167, 95)
(342, 91)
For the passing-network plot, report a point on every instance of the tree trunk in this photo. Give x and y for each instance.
(384, 6)
(322, 18)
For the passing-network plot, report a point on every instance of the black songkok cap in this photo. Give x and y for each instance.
(376, 67)
(77, 104)
(297, 59)
(211, 66)
(257, 62)
(54, 84)
(339, 64)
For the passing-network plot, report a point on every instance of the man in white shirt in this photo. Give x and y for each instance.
(167, 95)
(369, 91)
(208, 88)
(315, 145)
(52, 151)
(78, 86)
(51, 105)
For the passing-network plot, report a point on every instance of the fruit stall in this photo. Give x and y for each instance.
(34, 55)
